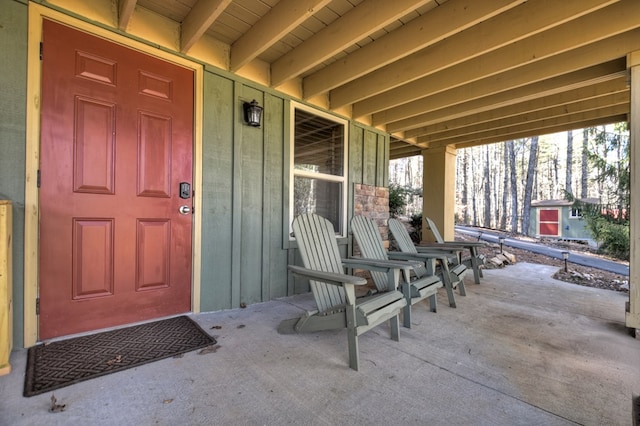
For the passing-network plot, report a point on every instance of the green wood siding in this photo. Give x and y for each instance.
(274, 277)
(382, 174)
(368, 156)
(262, 181)
(217, 193)
(243, 172)
(356, 168)
(248, 178)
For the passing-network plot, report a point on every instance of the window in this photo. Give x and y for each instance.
(575, 213)
(319, 163)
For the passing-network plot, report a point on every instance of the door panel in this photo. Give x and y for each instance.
(116, 141)
(550, 229)
(154, 239)
(154, 156)
(92, 258)
(94, 148)
(549, 223)
(549, 215)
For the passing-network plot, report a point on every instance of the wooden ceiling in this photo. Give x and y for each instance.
(431, 72)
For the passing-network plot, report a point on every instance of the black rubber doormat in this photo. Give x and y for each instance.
(65, 362)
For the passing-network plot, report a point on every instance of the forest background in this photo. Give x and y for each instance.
(496, 183)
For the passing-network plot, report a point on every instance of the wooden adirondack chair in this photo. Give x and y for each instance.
(474, 260)
(452, 274)
(422, 286)
(334, 291)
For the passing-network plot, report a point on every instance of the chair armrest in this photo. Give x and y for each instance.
(327, 277)
(421, 257)
(441, 249)
(378, 264)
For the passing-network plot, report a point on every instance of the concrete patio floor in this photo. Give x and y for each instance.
(520, 349)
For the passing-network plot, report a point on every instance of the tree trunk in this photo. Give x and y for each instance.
(601, 140)
(505, 185)
(487, 189)
(556, 175)
(495, 178)
(474, 205)
(465, 187)
(531, 170)
(567, 185)
(584, 178)
(514, 187)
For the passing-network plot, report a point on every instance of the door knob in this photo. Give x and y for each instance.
(184, 209)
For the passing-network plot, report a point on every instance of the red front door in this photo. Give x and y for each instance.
(116, 144)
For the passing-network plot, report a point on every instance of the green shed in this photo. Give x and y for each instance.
(559, 219)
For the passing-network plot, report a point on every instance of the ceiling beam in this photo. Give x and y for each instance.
(537, 127)
(565, 63)
(582, 78)
(282, 19)
(514, 122)
(125, 11)
(396, 144)
(607, 88)
(444, 21)
(560, 128)
(406, 151)
(516, 24)
(199, 19)
(526, 53)
(361, 21)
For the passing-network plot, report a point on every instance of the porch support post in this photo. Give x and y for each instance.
(439, 188)
(633, 308)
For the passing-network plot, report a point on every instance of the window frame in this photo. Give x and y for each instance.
(576, 216)
(293, 173)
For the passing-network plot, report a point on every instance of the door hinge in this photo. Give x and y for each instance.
(38, 178)
(41, 48)
(38, 306)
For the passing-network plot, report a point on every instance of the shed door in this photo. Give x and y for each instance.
(549, 222)
(116, 143)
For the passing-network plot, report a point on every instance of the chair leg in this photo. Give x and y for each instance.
(352, 335)
(354, 355)
(476, 270)
(477, 273)
(406, 315)
(406, 290)
(446, 278)
(394, 324)
(433, 303)
(461, 288)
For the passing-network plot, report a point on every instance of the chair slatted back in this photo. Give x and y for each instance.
(405, 243)
(434, 229)
(370, 242)
(318, 247)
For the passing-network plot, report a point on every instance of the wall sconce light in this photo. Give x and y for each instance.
(501, 239)
(565, 256)
(252, 113)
